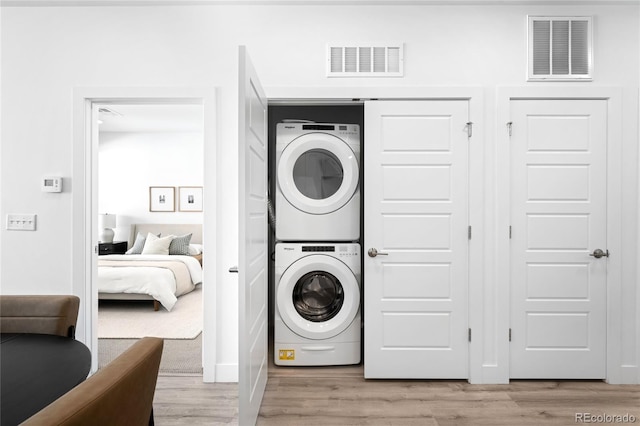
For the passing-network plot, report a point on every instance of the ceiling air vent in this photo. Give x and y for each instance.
(365, 61)
(560, 48)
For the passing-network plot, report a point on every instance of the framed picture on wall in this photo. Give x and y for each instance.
(162, 199)
(190, 198)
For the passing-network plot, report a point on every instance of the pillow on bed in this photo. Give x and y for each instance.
(138, 245)
(180, 245)
(195, 249)
(156, 245)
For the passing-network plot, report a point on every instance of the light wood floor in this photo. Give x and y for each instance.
(341, 396)
(186, 400)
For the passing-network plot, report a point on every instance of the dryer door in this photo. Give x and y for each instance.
(318, 297)
(318, 173)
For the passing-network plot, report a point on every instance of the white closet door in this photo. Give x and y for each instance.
(252, 245)
(416, 217)
(558, 219)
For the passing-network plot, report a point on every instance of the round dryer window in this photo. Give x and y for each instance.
(318, 297)
(318, 173)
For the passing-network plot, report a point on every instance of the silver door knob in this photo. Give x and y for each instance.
(373, 252)
(597, 253)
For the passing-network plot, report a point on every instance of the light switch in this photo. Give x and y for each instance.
(21, 222)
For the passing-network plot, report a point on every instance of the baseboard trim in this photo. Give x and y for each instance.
(225, 373)
(628, 375)
(489, 375)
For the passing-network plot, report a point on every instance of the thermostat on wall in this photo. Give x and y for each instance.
(51, 184)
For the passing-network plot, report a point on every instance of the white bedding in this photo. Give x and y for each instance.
(157, 282)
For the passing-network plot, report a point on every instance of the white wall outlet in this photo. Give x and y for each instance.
(21, 222)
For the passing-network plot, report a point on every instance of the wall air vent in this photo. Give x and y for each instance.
(560, 48)
(378, 60)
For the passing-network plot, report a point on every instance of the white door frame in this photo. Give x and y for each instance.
(478, 150)
(613, 96)
(84, 209)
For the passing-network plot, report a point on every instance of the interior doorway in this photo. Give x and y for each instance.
(144, 148)
(86, 208)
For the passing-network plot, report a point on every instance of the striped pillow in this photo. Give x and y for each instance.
(180, 245)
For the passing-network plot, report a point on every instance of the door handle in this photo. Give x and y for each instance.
(597, 253)
(373, 252)
(233, 270)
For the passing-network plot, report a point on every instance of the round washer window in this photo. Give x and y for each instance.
(318, 174)
(318, 296)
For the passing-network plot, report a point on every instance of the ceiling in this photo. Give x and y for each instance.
(53, 3)
(150, 118)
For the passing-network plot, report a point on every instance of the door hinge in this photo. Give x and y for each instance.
(469, 232)
(469, 334)
(509, 334)
(509, 231)
(95, 249)
(469, 128)
(509, 127)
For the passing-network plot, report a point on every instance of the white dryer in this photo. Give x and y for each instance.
(318, 187)
(317, 304)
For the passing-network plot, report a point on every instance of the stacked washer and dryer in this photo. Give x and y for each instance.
(317, 319)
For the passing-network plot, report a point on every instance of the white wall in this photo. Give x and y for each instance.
(49, 51)
(130, 163)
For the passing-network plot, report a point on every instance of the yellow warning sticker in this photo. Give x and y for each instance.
(287, 354)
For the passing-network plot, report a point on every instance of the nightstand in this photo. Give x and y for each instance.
(116, 247)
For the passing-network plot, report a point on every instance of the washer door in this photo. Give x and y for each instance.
(318, 297)
(318, 173)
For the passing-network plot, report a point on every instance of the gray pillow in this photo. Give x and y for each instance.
(180, 245)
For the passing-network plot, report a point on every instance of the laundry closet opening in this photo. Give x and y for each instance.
(335, 302)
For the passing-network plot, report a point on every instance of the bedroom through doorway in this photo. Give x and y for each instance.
(150, 185)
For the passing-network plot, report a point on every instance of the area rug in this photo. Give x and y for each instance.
(179, 356)
(133, 320)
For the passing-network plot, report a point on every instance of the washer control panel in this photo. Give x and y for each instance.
(318, 248)
(346, 250)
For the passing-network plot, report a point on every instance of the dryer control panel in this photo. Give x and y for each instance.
(339, 129)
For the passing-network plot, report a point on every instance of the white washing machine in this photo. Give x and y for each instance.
(317, 304)
(318, 182)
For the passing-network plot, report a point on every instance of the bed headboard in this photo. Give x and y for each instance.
(167, 229)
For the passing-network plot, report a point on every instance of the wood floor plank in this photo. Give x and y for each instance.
(343, 397)
(186, 400)
(302, 400)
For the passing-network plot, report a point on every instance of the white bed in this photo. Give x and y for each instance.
(158, 277)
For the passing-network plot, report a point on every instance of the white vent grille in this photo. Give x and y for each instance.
(560, 48)
(365, 61)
